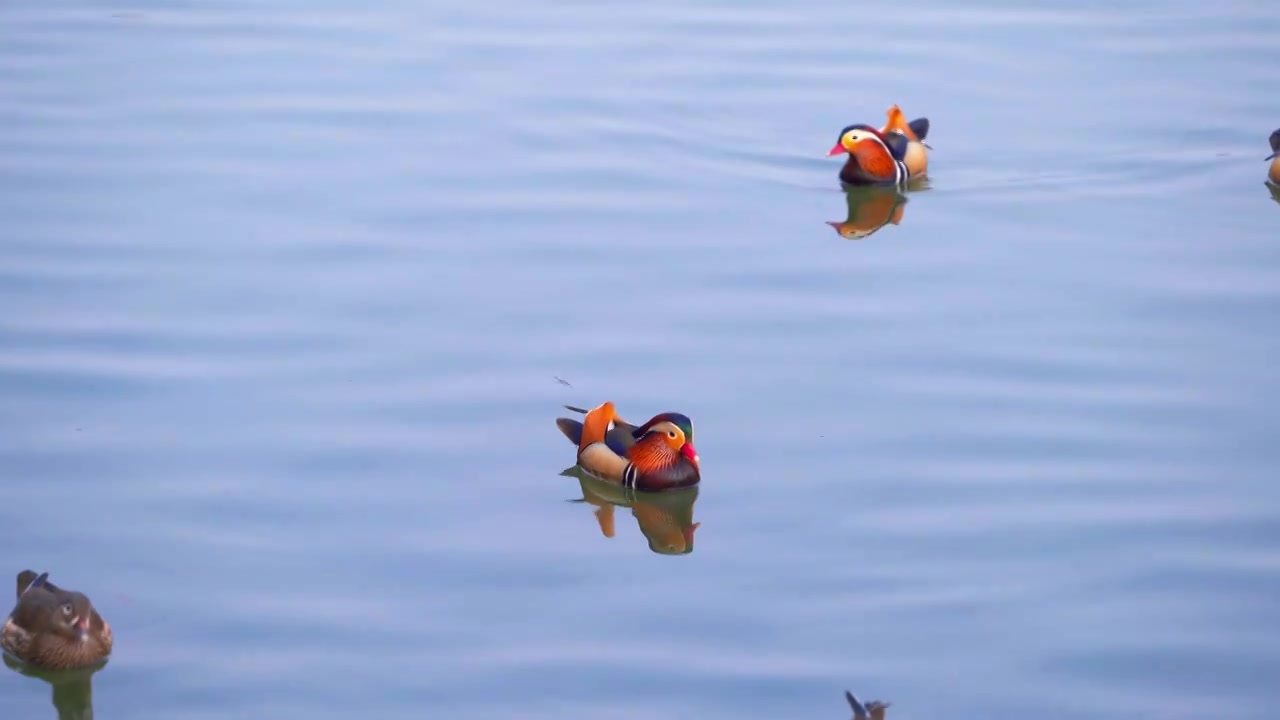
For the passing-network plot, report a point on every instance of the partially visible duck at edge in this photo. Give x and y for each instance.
(893, 155)
(53, 628)
(658, 455)
(873, 710)
(1274, 173)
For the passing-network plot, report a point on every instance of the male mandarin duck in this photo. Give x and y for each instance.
(658, 455)
(665, 519)
(1274, 173)
(873, 710)
(52, 628)
(893, 155)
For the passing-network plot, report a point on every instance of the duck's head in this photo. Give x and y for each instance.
(72, 618)
(674, 429)
(1275, 145)
(852, 137)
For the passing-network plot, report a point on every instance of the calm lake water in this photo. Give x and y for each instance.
(291, 291)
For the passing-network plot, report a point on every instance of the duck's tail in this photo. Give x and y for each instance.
(572, 429)
(859, 712)
(920, 126)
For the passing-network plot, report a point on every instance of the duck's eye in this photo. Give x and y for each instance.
(671, 434)
(66, 609)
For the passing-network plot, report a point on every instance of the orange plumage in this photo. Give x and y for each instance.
(897, 122)
(596, 424)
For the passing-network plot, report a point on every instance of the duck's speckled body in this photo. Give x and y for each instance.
(658, 455)
(53, 628)
(893, 155)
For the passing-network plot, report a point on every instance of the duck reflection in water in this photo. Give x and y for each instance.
(72, 689)
(665, 518)
(873, 710)
(870, 208)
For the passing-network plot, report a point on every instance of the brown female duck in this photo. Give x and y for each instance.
(53, 628)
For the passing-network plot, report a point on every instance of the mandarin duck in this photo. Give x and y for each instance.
(870, 208)
(665, 519)
(893, 155)
(52, 628)
(873, 710)
(1273, 174)
(658, 455)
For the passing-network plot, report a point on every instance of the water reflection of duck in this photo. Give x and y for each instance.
(72, 689)
(658, 455)
(1273, 174)
(893, 155)
(870, 208)
(873, 710)
(665, 518)
(54, 628)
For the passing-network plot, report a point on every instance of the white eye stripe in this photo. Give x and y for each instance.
(854, 136)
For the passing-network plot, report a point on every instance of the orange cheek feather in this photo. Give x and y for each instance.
(875, 160)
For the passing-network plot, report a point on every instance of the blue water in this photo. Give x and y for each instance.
(290, 292)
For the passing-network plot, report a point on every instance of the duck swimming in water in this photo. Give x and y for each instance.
(893, 155)
(1273, 174)
(53, 628)
(658, 455)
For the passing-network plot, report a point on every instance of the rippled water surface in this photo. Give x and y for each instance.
(292, 291)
